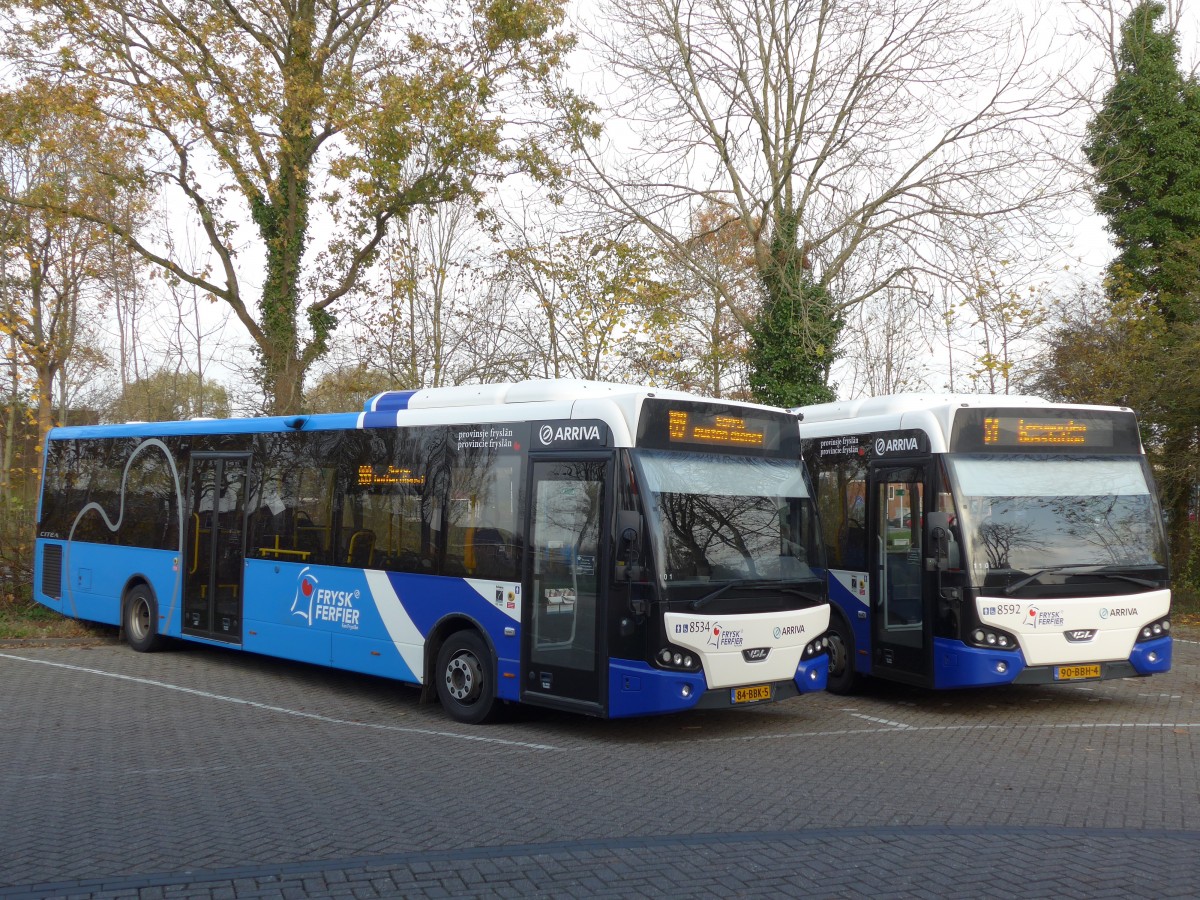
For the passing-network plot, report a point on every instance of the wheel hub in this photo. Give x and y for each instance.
(140, 619)
(463, 677)
(837, 654)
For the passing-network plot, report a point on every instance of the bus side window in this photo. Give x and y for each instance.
(841, 489)
(484, 489)
(292, 501)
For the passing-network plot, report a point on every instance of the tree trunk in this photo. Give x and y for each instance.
(285, 382)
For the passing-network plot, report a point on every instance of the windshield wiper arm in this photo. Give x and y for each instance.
(1095, 570)
(701, 602)
(1123, 577)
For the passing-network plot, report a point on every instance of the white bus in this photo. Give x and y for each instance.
(601, 548)
(982, 540)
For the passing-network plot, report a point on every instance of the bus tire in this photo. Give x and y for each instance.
(842, 677)
(139, 620)
(466, 681)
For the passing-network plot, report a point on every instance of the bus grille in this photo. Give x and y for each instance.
(52, 571)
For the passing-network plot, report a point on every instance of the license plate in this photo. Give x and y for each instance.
(1072, 673)
(752, 694)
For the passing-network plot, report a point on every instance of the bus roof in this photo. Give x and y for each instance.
(895, 404)
(562, 398)
(930, 412)
(536, 390)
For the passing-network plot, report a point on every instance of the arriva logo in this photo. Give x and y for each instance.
(895, 445)
(548, 434)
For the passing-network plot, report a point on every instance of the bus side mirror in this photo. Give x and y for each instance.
(941, 542)
(629, 535)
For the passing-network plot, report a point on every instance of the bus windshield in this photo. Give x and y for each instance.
(723, 518)
(1031, 513)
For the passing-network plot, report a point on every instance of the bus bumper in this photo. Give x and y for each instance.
(955, 665)
(638, 689)
(1152, 657)
(812, 674)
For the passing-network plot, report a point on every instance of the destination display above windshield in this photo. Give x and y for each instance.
(1048, 430)
(684, 425)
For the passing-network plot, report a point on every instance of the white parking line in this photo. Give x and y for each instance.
(919, 729)
(281, 709)
(887, 722)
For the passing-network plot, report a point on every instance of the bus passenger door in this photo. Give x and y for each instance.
(899, 617)
(215, 550)
(563, 644)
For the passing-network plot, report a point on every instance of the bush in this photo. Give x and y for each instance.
(16, 558)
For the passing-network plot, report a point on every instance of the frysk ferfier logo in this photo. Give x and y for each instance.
(313, 603)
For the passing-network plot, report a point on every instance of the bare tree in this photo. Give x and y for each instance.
(829, 129)
(886, 346)
(594, 296)
(1000, 304)
(194, 332)
(439, 313)
(697, 342)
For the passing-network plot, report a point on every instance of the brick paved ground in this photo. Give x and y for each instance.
(207, 773)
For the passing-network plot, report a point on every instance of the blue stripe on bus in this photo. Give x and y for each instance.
(331, 616)
(270, 425)
(378, 420)
(388, 400)
(849, 604)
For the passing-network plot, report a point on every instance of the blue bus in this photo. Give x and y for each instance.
(983, 540)
(592, 547)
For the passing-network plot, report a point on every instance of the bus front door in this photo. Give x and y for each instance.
(563, 645)
(899, 618)
(215, 550)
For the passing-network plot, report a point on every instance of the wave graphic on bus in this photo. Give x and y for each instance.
(115, 527)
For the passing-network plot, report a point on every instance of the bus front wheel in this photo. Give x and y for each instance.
(140, 621)
(842, 677)
(466, 680)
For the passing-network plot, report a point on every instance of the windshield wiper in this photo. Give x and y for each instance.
(753, 585)
(701, 602)
(1093, 569)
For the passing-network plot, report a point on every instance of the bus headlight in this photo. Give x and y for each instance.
(678, 658)
(1156, 629)
(993, 638)
(815, 647)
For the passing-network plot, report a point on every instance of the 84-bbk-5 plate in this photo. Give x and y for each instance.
(751, 693)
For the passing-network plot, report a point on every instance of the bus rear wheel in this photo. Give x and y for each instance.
(842, 677)
(466, 680)
(140, 620)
